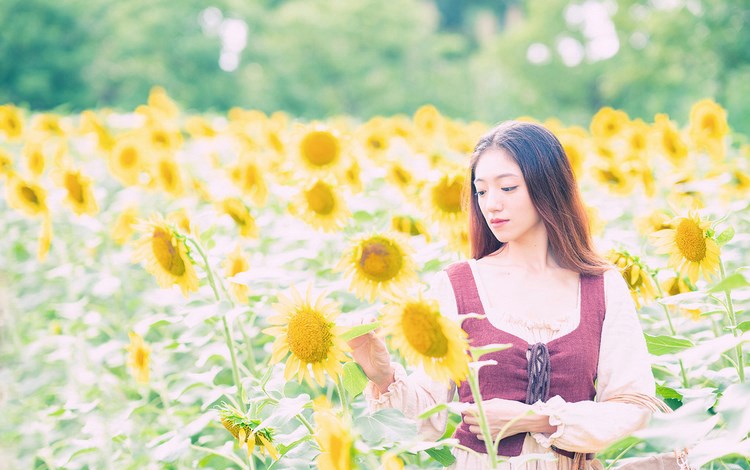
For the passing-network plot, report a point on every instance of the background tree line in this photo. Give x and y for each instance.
(487, 60)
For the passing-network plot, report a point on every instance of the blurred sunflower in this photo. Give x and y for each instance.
(333, 435)
(158, 99)
(608, 123)
(45, 239)
(320, 149)
(458, 241)
(653, 222)
(379, 265)
(676, 285)
(165, 255)
(690, 247)
(11, 121)
(181, 220)
(708, 127)
(400, 176)
(123, 227)
(127, 160)
(33, 153)
(574, 140)
(321, 206)
(79, 192)
(352, 177)
(244, 428)
(26, 196)
(167, 174)
(638, 137)
(6, 163)
(410, 226)
(248, 176)
(637, 276)
(198, 127)
(615, 178)
(90, 123)
(426, 338)
(305, 329)
(238, 211)
(138, 358)
(375, 137)
(444, 200)
(48, 124)
(670, 141)
(391, 461)
(236, 263)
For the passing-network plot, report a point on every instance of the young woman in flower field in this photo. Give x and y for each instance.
(577, 352)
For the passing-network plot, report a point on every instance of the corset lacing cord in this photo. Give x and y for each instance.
(538, 369)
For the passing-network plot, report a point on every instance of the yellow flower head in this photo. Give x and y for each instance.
(123, 227)
(245, 430)
(138, 358)
(410, 226)
(127, 160)
(45, 239)
(690, 247)
(198, 127)
(391, 461)
(636, 275)
(320, 205)
(333, 435)
(25, 196)
(426, 338)
(48, 124)
(248, 176)
(79, 192)
(238, 211)
(708, 127)
(167, 174)
(6, 163)
(615, 177)
(306, 331)
(398, 175)
(608, 123)
(379, 265)
(670, 141)
(638, 137)
(352, 177)
(653, 222)
(158, 99)
(444, 200)
(320, 150)
(574, 141)
(237, 263)
(375, 136)
(181, 221)
(33, 153)
(165, 255)
(11, 121)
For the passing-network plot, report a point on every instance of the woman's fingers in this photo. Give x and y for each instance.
(470, 419)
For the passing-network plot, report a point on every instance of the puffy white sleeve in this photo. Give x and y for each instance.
(624, 369)
(416, 392)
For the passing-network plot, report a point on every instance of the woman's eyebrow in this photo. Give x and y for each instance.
(504, 175)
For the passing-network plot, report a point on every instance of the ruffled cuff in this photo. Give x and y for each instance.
(375, 398)
(551, 409)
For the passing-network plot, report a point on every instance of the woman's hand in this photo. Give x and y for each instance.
(370, 352)
(500, 412)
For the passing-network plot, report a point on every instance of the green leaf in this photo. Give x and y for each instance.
(660, 345)
(480, 351)
(359, 330)
(667, 393)
(725, 236)
(744, 326)
(434, 410)
(354, 379)
(733, 281)
(442, 455)
(388, 425)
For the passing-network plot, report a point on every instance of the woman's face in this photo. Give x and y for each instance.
(503, 196)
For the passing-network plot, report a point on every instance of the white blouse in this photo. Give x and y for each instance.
(587, 426)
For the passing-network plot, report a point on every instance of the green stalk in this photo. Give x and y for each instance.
(484, 426)
(685, 382)
(227, 332)
(733, 324)
(342, 394)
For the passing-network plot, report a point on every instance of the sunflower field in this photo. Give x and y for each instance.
(177, 290)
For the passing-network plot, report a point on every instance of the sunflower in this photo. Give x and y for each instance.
(90, 123)
(33, 153)
(608, 123)
(48, 124)
(410, 226)
(320, 205)
(400, 176)
(45, 239)
(237, 263)
(320, 149)
(375, 137)
(248, 176)
(573, 141)
(690, 246)
(243, 428)
(26, 196)
(127, 160)
(426, 338)
(158, 99)
(167, 174)
(617, 179)
(708, 127)
(670, 141)
(238, 211)
(11, 121)
(458, 240)
(305, 330)
(392, 461)
(653, 222)
(596, 223)
(333, 435)
(352, 177)
(123, 227)
(637, 276)
(379, 265)
(6, 163)
(181, 220)
(198, 127)
(165, 255)
(444, 200)
(79, 193)
(138, 358)
(677, 285)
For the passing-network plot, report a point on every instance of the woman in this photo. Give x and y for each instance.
(578, 356)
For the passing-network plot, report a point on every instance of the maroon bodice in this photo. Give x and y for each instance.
(571, 360)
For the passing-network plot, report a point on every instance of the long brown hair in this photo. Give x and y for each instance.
(553, 191)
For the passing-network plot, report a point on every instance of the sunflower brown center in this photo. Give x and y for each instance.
(381, 260)
(128, 157)
(29, 195)
(709, 125)
(690, 240)
(627, 274)
(140, 359)
(166, 252)
(320, 199)
(423, 331)
(167, 175)
(75, 190)
(309, 335)
(320, 148)
(447, 196)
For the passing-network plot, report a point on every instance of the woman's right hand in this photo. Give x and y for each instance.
(371, 353)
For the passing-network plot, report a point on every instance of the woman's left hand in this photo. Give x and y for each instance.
(500, 412)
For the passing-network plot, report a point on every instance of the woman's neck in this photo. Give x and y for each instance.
(530, 252)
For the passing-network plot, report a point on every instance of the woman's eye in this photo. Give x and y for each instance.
(480, 192)
(509, 188)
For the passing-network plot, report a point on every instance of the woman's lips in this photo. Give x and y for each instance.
(498, 222)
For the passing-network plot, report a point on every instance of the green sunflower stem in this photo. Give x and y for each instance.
(685, 382)
(733, 324)
(483, 424)
(342, 394)
(227, 332)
